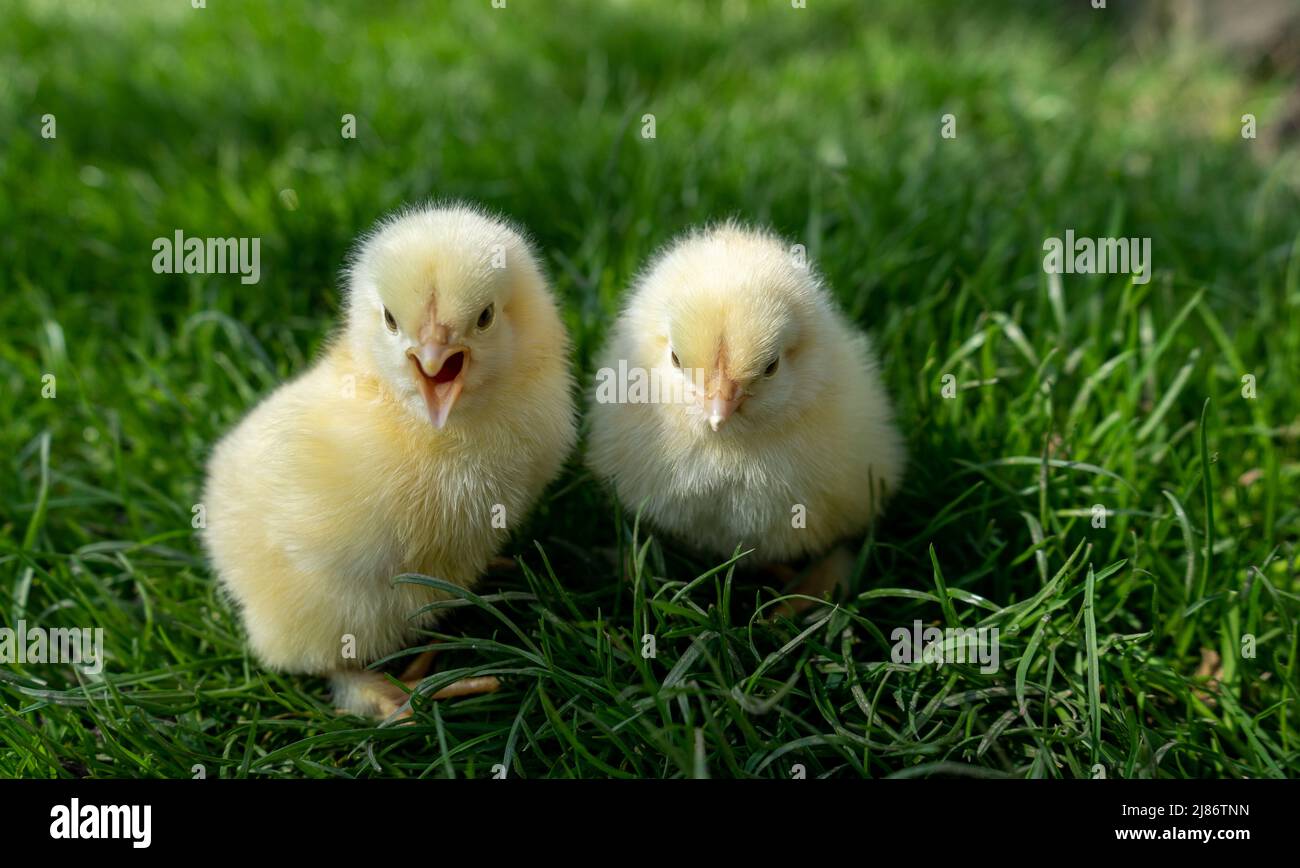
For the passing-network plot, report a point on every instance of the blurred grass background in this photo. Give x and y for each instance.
(821, 122)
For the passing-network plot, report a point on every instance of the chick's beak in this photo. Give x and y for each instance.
(440, 374)
(722, 401)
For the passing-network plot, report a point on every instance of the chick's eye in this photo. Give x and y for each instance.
(677, 363)
(771, 369)
(389, 321)
(485, 318)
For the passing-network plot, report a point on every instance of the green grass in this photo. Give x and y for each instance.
(823, 123)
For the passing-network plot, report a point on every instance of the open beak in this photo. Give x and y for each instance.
(722, 401)
(440, 374)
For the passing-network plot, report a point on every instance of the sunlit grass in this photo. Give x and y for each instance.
(1090, 391)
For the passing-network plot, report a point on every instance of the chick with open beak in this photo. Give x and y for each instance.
(444, 404)
(440, 366)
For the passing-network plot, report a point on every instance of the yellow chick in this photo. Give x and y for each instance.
(765, 424)
(432, 422)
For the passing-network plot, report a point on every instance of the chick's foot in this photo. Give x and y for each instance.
(371, 694)
(418, 668)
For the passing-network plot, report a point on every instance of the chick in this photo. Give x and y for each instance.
(769, 428)
(433, 420)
